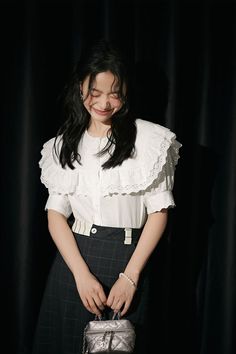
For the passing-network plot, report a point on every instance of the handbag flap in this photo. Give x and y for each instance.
(110, 325)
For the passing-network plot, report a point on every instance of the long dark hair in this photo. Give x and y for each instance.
(100, 57)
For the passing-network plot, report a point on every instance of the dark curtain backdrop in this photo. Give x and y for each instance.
(183, 55)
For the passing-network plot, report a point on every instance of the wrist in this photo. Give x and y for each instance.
(83, 272)
(128, 279)
(133, 274)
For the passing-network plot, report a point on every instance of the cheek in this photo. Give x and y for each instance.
(116, 104)
(88, 102)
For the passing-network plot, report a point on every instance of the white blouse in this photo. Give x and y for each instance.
(122, 196)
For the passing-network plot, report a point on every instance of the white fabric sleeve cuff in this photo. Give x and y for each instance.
(59, 203)
(157, 201)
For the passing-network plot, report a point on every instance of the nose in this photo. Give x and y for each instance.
(104, 102)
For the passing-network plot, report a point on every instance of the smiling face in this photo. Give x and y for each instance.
(102, 100)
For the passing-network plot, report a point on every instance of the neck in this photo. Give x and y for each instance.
(98, 129)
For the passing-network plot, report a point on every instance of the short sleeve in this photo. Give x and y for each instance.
(59, 203)
(56, 180)
(159, 195)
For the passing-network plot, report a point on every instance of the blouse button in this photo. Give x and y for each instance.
(93, 230)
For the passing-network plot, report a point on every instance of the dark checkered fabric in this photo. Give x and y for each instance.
(63, 317)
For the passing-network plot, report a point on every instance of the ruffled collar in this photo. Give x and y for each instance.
(156, 146)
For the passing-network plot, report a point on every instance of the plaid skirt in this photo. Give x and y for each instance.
(63, 317)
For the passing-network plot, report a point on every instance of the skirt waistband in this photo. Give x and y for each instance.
(88, 229)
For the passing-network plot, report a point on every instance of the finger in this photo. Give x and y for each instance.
(98, 302)
(116, 306)
(125, 309)
(102, 297)
(110, 300)
(93, 307)
(87, 306)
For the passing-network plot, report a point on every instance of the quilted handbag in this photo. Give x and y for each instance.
(109, 336)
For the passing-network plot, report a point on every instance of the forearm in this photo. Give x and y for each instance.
(65, 242)
(151, 234)
(90, 290)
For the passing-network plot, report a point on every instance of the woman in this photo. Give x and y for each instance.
(115, 175)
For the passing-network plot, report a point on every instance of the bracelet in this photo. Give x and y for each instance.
(129, 279)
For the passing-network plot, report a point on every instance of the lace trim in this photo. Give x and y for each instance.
(156, 173)
(125, 180)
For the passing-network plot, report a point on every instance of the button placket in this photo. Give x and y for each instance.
(98, 189)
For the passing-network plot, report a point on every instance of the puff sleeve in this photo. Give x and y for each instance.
(59, 203)
(159, 195)
(58, 198)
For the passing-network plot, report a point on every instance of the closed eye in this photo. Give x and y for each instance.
(95, 93)
(115, 95)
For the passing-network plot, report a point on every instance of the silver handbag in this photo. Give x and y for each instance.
(109, 336)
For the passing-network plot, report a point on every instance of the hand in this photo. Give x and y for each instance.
(91, 293)
(121, 296)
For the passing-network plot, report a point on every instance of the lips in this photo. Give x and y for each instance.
(102, 113)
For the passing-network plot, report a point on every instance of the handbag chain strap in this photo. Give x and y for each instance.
(116, 315)
(85, 349)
